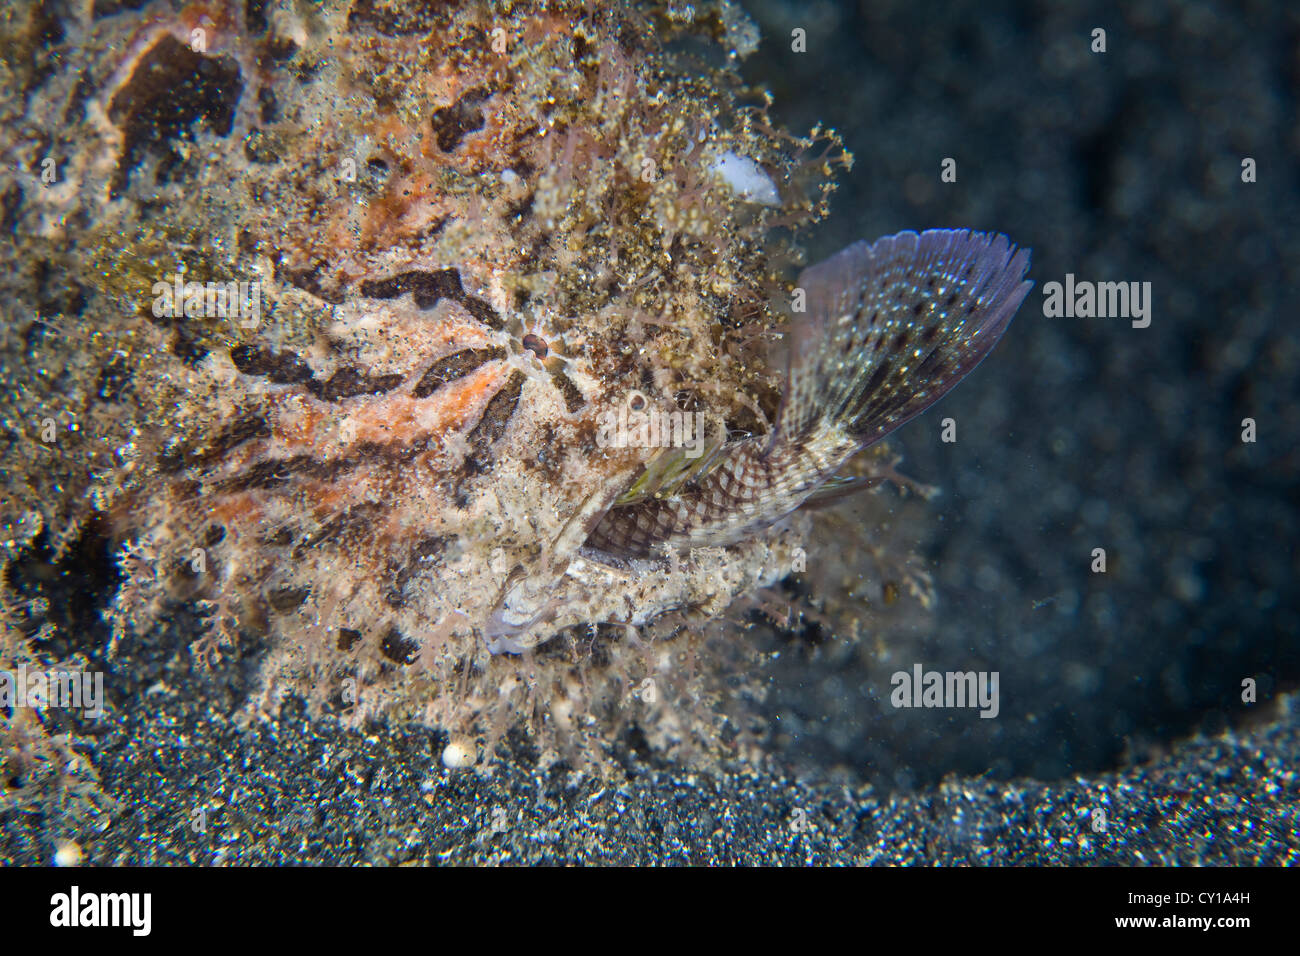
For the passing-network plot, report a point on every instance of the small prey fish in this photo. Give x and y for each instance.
(889, 327)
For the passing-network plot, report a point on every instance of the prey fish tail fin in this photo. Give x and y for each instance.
(891, 326)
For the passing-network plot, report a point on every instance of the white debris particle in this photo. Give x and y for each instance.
(68, 853)
(746, 179)
(459, 753)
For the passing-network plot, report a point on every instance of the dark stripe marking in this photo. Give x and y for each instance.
(493, 424)
(272, 472)
(349, 382)
(283, 368)
(452, 123)
(245, 429)
(399, 648)
(453, 367)
(288, 368)
(428, 288)
(346, 528)
(573, 399)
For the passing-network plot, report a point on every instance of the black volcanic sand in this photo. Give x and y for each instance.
(1119, 692)
(196, 784)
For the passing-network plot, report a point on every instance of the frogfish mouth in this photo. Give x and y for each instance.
(887, 329)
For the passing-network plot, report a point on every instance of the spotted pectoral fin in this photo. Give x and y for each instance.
(891, 326)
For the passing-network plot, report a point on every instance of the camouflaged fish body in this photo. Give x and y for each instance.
(889, 328)
(399, 464)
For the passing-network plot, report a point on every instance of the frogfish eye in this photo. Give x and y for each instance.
(536, 344)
